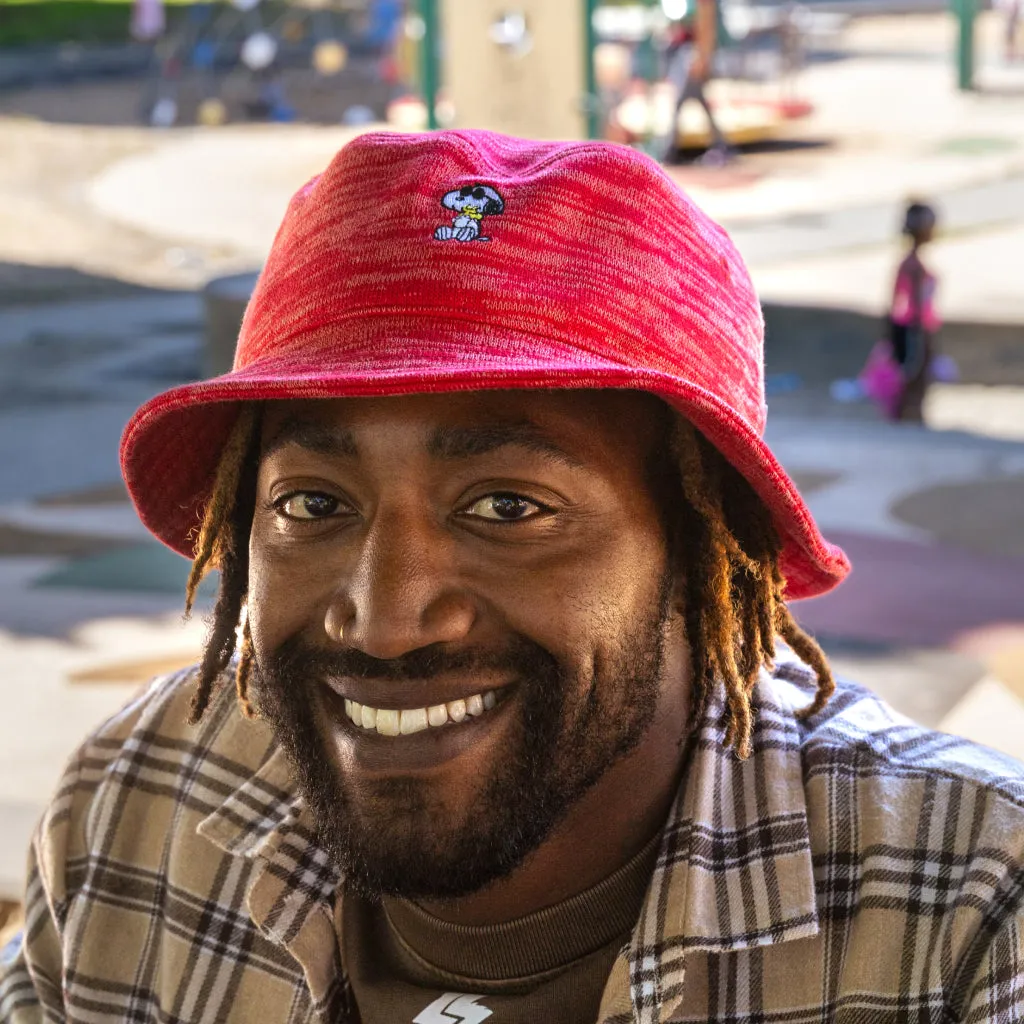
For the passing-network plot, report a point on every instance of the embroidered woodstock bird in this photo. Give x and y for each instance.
(471, 204)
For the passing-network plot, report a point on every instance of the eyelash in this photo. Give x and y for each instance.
(541, 509)
(277, 505)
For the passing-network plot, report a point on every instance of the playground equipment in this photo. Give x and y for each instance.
(521, 70)
(238, 49)
(573, 69)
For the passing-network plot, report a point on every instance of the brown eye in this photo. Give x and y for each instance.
(308, 505)
(505, 508)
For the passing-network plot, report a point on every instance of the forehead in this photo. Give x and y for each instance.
(589, 424)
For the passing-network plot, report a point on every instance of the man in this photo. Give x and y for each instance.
(506, 560)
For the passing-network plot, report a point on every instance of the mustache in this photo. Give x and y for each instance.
(297, 657)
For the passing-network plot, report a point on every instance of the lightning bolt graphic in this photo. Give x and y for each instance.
(454, 1008)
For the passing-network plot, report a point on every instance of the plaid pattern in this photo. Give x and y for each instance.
(857, 868)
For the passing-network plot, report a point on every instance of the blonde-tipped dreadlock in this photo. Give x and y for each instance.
(733, 587)
(223, 543)
(722, 533)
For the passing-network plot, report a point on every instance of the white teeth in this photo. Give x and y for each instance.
(388, 721)
(412, 721)
(391, 722)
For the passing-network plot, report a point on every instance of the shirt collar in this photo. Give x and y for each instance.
(293, 881)
(248, 819)
(266, 821)
(735, 868)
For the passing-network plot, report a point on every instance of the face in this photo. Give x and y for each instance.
(462, 612)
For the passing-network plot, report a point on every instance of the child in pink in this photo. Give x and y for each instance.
(913, 319)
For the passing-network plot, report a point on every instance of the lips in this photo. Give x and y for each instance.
(399, 740)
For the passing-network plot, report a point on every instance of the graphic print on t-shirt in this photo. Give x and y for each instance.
(454, 1008)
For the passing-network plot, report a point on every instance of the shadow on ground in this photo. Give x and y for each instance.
(23, 285)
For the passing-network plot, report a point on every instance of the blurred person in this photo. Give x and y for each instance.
(689, 55)
(1011, 10)
(913, 318)
(148, 20)
(503, 714)
(791, 46)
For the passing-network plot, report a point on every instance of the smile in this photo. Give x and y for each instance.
(405, 722)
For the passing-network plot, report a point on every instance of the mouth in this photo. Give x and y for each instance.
(415, 740)
(407, 721)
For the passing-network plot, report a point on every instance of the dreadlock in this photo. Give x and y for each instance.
(733, 587)
(722, 536)
(223, 543)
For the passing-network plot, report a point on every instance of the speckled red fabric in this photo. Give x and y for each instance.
(468, 260)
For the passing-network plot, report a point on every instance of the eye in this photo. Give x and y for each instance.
(478, 193)
(465, 190)
(307, 505)
(503, 508)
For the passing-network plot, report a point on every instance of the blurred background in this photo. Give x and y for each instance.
(148, 149)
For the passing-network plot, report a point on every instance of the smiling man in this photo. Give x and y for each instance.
(504, 564)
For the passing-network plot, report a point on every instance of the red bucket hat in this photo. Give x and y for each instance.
(468, 260)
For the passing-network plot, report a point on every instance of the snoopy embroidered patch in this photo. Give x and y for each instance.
(470, 204)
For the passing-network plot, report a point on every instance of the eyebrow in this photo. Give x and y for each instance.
(324, 439)
(469, 442)
(445, 443)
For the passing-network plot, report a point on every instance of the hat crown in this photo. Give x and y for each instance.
(588, 245)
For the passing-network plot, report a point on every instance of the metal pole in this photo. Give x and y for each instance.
(428, 11)
(965, 10)
(589, 44)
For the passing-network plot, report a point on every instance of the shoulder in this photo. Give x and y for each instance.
(909, 266)
(144, 764)
(857, 728)
(151, 737)
(897, 799)
(917, 841)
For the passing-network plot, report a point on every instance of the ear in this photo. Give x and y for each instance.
(493, 206)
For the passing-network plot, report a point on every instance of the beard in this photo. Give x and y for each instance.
(398, 837)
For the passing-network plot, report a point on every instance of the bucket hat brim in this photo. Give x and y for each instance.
(171, 447)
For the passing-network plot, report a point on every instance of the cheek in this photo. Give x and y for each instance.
(580, 604)
(284, 596)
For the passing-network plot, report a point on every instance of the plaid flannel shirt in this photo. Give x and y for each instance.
(857, 868)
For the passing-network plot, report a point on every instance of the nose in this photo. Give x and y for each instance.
(403, 593)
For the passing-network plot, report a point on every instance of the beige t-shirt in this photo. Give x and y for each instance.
(406, 966)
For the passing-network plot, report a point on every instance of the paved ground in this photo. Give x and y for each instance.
(105, 233)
